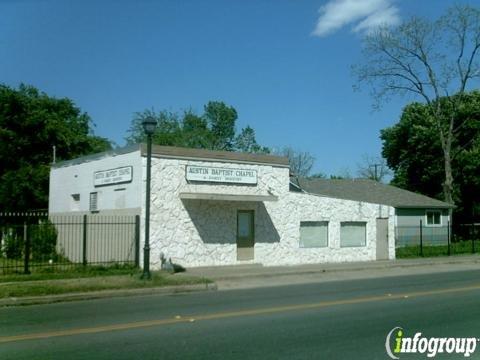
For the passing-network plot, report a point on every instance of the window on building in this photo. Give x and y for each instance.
(353, 233)
(434, 217)
(313, 234)
(93, 201)
(75, 202)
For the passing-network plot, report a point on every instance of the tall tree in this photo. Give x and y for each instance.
(31, 123)
(214, 129)
(415, 154)
(429, 60)
(246, 142)
(196, 133)
(168, 131)
(221, 119)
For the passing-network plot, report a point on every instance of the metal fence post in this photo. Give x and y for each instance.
(448, 238)
(26, 241)
(84, 240)
(421, 239)
(137, 241)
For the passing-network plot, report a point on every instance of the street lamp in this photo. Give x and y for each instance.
(149, 124)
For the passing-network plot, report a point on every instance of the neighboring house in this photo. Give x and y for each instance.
(412, 210)
(223, 208)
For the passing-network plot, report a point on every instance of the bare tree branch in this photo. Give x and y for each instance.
(417, 58)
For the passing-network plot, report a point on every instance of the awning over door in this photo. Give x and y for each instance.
(226, 197)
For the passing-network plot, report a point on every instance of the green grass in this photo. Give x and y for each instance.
(70, 272)
(456, 248)
(95, 283)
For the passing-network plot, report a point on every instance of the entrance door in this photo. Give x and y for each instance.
(245, 234)
(382, 239)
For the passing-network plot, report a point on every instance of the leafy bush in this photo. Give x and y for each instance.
(12, 245)
(43, 241)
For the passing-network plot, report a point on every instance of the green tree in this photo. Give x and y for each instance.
(431, 61)
(246, 142)
(414, 152)
(196, 133)
(31, 123)
(168, 131)
(214, 129)
(221, 119)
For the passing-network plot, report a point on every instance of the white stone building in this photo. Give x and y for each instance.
(224, 208)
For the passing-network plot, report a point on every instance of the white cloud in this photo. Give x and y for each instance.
(365, 15)
(387, 16)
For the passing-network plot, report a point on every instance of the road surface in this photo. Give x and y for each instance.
(334, 320)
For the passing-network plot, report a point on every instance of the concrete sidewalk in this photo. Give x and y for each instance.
(256, 275)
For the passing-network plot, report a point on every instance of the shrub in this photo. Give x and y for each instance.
(43, 241)
(12, 245)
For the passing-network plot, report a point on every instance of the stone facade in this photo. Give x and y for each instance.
(203, 232)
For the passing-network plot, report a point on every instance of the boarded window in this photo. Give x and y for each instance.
(75, 202)
(353, 233)
(93, 201)
(434, 218)
(120, 198)
(313, 234)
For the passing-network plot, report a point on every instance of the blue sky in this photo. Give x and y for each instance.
(283, 64)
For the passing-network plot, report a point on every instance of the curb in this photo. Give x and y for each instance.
(49, 299)
(380, 266)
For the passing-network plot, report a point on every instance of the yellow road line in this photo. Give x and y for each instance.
(229, 314)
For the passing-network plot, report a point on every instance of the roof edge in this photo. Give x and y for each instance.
(438, 204)
(92, 157)
(446, 206)
(174, 152)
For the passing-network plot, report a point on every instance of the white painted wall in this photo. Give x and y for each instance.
(200, 232)
(67, 179)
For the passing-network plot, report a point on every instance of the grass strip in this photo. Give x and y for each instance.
(78, 271)
(459, 248)
(112, 282)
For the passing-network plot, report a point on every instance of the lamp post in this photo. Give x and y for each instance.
(149, 124)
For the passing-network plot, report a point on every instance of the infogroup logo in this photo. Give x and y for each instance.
(397, 343)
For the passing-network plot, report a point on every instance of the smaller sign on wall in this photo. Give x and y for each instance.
(113, 176)
(222, 175)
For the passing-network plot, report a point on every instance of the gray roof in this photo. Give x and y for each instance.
(223, 156)
(368, 191)
(183, 153)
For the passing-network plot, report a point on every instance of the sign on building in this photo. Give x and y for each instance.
(222, 175)
(113, 176)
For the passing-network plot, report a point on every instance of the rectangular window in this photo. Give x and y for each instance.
(75, 202)
(93, 201)
(313, 234)
(434, 218)
(353, 233)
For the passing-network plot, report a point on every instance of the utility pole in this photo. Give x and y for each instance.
(376, 172)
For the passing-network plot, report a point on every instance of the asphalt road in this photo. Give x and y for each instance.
(335, 320)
